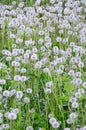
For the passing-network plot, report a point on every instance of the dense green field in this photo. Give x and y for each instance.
(43, 65)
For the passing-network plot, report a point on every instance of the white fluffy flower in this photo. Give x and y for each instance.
(23, 78)
(29, 128)
(26, 100)
(47, 90)
(6, 93)
(84, 84)
(5, 126)
(73, 115)
(2, 81)
(52, 120)
(17, 78)
(12, 116)
(34, 57)
(55, 124)
(66, 128)
(19, 94)
(75, 105)
(29, 90)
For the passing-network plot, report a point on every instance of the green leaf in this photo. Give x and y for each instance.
(68, 87)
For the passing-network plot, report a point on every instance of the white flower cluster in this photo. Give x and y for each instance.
(55, 124)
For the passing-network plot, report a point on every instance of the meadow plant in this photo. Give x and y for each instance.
(42, 65)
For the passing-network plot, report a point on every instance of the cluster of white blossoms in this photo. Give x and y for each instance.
(43, 49)
(55, 124)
